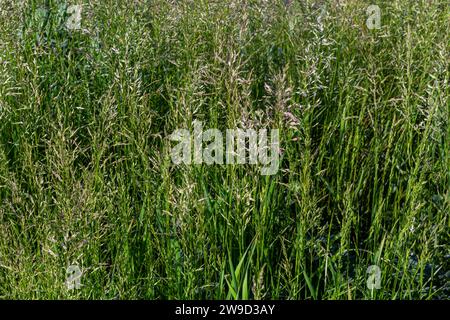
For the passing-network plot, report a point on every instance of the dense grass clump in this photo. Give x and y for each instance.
(86, 176)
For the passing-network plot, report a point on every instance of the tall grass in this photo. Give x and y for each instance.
(86, 177)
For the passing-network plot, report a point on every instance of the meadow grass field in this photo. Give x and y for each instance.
(359, 205)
